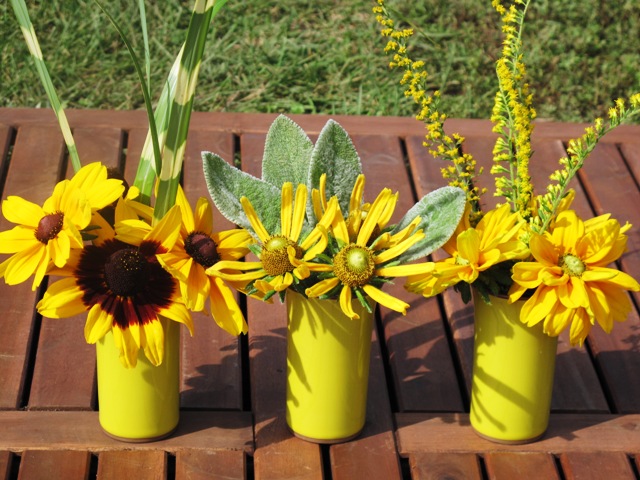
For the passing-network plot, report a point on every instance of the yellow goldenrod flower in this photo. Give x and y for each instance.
(44, 236)
(362, 257)
(573, 285)
(124, 289)
(198, 248)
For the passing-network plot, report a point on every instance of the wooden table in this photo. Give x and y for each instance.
(232, 423)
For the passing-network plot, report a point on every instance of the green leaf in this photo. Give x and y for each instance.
(227, 185)
(440, 212)
(287, 153)
(335, 155)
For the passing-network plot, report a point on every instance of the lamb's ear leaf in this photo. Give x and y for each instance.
(227, 184)
(335, 155)
(440, 212)
(287, 153)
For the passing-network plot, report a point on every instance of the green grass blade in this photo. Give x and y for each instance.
(22, 14)
(143, 84)
(145, 39)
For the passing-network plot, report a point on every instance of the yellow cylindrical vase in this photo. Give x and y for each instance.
(327, 369)
(139, 404)
(513, 368)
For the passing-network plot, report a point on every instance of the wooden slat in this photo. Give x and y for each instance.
(278, 454)
(596, 465)
(505, 465)
(70, 430)
(54, 385)
(48, 464)
(371, 455)
(5, 464)
(151, 464)
(260, 122)
(211, 361)
(210, 465)
(429, 432)
(32, 174)
(441, 465)
(423, 372)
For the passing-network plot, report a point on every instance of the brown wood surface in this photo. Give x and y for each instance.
(441, 465)
(210, 465)
(232, 391)
(150, 464)
(504, 465)
(48, 464)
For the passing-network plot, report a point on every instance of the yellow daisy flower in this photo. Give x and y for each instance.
(198, 247)
(361, 265)
(573, 284)
(283, 258)
(44, 236)
(473, 251)
(124, 289)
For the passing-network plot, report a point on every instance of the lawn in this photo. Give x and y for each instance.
(294, 56)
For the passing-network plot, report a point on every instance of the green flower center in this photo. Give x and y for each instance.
(572, 265)
(461, 261)
(202, 249)
(354, 265)
(126, 272)
(275, 258)
(49, 227)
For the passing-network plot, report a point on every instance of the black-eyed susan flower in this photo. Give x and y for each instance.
(198, 248)
(44, 236)
(359, 266)
(573, 285)
(285, 256)
(120, 282)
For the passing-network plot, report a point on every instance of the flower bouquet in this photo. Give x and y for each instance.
(326, 252)
(137, 270)
(532, 265)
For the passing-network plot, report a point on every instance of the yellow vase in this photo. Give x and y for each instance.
(143, 403)
(513, 367)
(327, 369)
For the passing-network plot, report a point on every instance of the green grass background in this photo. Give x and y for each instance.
(296, 56)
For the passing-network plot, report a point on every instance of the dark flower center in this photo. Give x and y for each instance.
(126, 272)
(49, 227)
(202, 249)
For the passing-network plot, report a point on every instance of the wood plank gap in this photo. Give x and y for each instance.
(600, 374)
(455, 355)
(245, 371)
(32, 349)
(392, 393)
(7, 143)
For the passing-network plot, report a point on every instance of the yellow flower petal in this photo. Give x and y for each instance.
(61, 300)
(345, 303)
(153, 343)
(178, 313)
(17, 239)
(255, 222)
(225, 310)
(322, 287)
(21, 211)
(385, 299)
(97, 325)
(299, 212)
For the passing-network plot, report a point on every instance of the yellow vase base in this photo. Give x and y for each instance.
(325, 441)
(509, 442)
(140, 440)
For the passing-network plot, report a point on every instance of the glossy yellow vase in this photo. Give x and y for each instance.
(327, 369)
(513, 367)
(143, 403)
